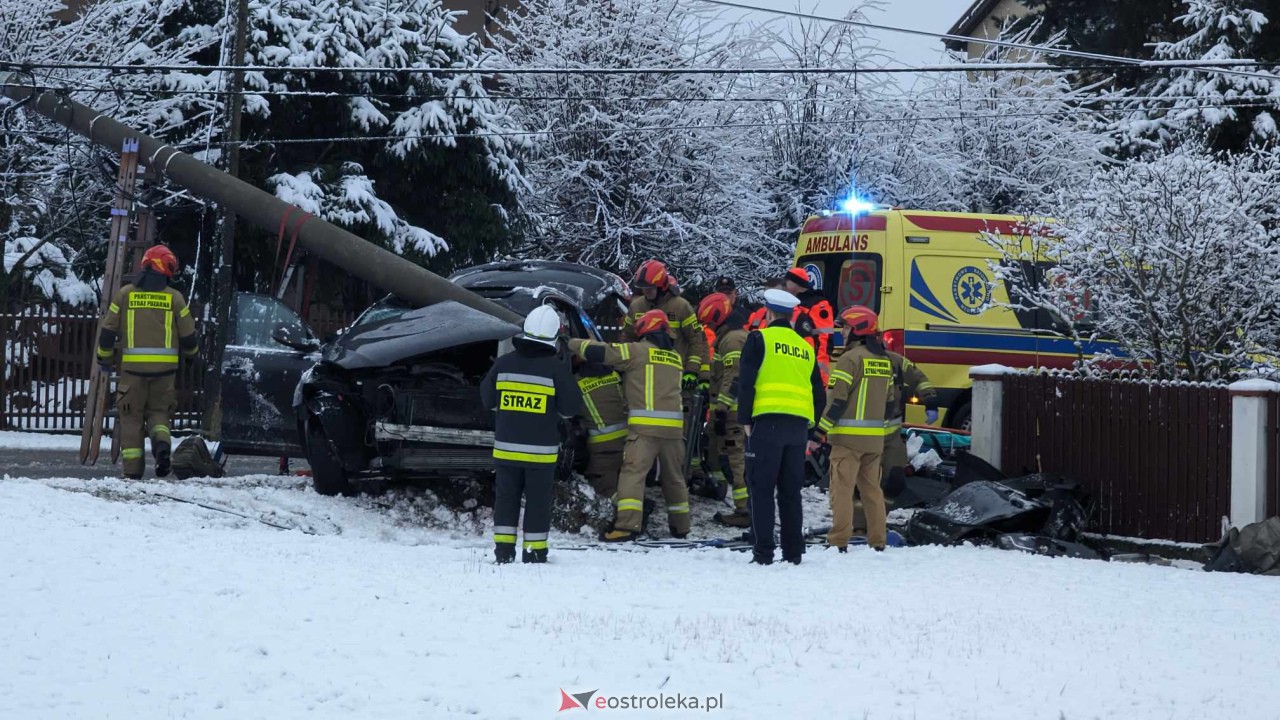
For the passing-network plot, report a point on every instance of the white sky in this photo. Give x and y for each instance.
(930, 15)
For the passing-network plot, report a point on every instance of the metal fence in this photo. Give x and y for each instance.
(1156, 456)
(47, 352)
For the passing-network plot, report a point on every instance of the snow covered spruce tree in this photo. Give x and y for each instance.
(1176, 256)
(1232, 109)
(54, 186)
(628, 167)
(416, 161)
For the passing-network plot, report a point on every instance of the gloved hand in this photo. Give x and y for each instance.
(930, 416)
(104, 367)
(721, 419)
(704, 386)
(689, 381)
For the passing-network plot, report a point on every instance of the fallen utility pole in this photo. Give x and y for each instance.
(363, 259)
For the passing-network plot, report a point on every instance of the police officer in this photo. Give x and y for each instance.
(651, 370)
(657, 288)
(604, 415)
(727, 443)
(153, 325)
(909, 381)
(779, 394)
(814, 319)
(854, 424)
(532, 391)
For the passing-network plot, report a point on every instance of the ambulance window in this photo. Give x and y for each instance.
(859, 282)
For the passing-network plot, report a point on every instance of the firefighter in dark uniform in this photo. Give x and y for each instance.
(726, 441)
(651, 370)
(854, 424)
(779, 394)
(909, 383)
(153, 326)
(814, 318)
(533, 392)
(604, 415)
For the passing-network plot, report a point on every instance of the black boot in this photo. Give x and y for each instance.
(163, 457)
(534, 556)
(504, 553)
(761, 559)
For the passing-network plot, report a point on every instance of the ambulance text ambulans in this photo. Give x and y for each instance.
(929, 276)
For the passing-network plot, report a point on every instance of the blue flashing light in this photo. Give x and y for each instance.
(855, 205)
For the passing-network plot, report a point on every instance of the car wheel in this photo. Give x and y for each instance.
(961, 419)
(328, 476)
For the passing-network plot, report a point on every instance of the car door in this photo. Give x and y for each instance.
(259, 375)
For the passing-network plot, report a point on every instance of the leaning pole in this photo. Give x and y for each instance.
(353, 254)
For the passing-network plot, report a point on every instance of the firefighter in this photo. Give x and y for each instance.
(533, 393)
(657, 288)
(153, 325)
(779, 394)
(727, 287)
(909, 382)
(814, 319)
(854, 425)
(651, 370)
(726, 439)
(604, 415)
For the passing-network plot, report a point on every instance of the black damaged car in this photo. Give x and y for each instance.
(397, 394)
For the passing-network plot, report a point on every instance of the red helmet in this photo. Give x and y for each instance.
(860, 319)
(714, 310)
(161, 259)
(652, 273)
(651, 322)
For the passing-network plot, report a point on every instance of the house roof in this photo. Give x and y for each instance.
(969, 21)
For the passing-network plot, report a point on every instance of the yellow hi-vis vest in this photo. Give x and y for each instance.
(784, 385)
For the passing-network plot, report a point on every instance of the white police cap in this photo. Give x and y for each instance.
(780, 301)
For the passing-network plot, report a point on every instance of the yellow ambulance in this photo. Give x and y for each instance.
(929, 276)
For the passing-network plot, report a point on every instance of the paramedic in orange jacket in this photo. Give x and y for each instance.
(814, 319)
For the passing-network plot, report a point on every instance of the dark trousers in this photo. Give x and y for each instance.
(775, 465)
(534, 482)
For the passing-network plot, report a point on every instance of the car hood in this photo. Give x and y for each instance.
(416, 332)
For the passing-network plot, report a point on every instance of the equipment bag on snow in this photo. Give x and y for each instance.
(192, 459)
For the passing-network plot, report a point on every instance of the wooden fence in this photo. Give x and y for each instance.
(1155, 456)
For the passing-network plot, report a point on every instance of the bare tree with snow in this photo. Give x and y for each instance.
(1174, 257)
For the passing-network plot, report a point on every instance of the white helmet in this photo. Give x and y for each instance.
(542, 325)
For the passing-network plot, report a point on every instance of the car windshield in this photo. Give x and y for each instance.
(378, 313)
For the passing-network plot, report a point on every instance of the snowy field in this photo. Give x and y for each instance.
(121, 604)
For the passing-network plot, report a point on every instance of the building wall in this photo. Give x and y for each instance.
(990, 26)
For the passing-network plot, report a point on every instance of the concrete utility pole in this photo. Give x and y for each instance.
(331, 243)
(224, 255)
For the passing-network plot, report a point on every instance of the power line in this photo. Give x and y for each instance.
(669, 128)
(1214, 66)
(947, 68)
(335, 95)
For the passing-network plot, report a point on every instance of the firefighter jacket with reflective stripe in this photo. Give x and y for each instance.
(531, 390)
(151, 329)
(909, 381)
(724, 372)
(815, 321)
(685, 330)
(650, 383)
(604, 409)
(856, 399)
(778, 376)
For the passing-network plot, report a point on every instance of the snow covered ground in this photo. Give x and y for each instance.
(117, 603)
